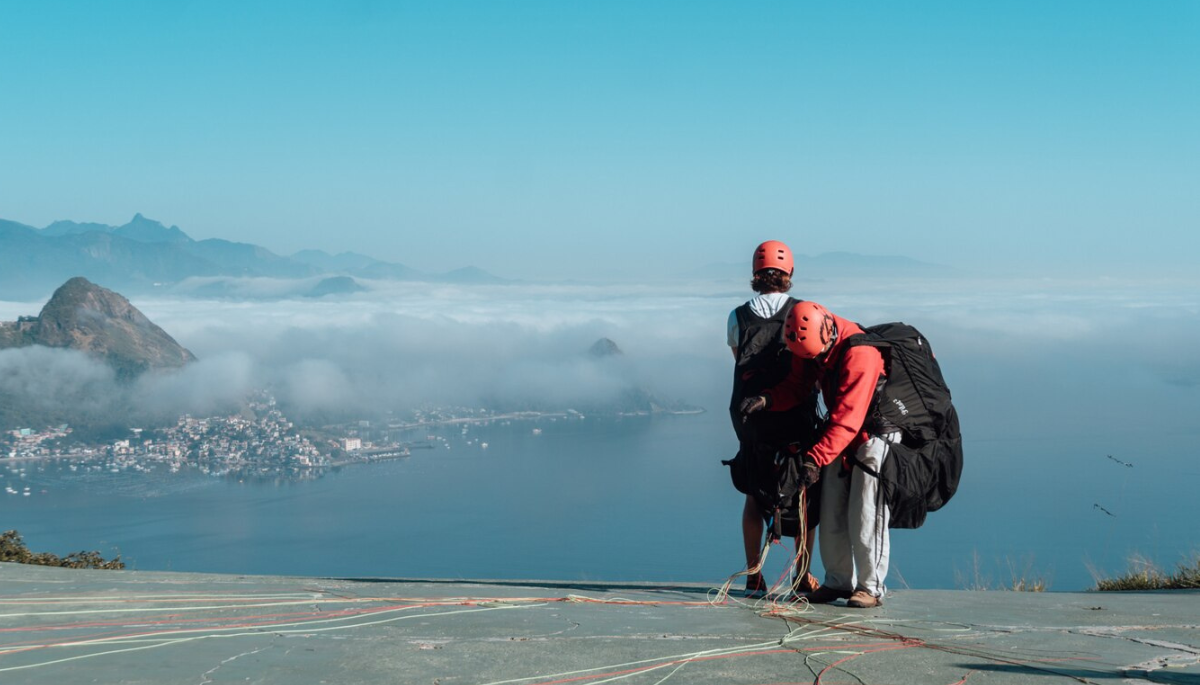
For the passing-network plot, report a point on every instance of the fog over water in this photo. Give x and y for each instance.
(1050, 377)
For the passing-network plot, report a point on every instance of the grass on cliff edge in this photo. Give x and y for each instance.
(12, 548)
(1022, 577)
(1145, 575)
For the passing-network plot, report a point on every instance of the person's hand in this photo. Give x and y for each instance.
(809, 473)
(751, 405)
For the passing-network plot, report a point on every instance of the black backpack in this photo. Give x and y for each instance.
(922, 472)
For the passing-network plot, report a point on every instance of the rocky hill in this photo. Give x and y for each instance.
(84, 316)
(604, 347)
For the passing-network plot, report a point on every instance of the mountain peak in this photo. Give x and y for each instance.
(604, 347)
(146, 230)
(78, 284)
(471, 274)
(84, 316)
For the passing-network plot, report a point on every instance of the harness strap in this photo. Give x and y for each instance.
(854, 461)
(777, 525)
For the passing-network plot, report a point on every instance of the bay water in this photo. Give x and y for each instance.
(630, 499)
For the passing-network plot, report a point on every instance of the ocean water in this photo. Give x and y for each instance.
(636, 499)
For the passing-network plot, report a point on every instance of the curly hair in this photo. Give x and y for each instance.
(771, 281)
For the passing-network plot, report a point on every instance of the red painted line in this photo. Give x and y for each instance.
(661, 665)
(887, 648)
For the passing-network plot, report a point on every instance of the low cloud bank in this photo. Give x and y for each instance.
(408, 345)
(65, 386)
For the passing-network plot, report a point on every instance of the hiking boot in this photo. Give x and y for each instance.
(861, 599)
(756, 587)
(825, 595)
(808, 583)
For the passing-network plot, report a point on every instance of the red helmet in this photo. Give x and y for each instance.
(808, 329)
(773, 255)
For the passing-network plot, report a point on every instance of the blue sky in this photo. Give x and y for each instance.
(547, 139)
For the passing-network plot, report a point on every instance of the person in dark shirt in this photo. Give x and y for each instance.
(762, 360)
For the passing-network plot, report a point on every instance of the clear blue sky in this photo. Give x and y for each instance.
(542, 138)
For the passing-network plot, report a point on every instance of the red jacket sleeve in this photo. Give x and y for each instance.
(856, 378)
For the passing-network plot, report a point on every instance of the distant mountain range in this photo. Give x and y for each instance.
(144, 255)
(832, 264)
(83, 316)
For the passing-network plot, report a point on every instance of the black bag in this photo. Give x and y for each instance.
(923, 469)
(772, 477)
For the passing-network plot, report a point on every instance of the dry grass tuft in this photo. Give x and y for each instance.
(1145, 575)
(1021, 578)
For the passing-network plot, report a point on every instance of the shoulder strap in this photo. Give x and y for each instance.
(854, 340)
(743, 316)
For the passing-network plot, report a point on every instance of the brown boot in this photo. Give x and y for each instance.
(861, 599)
(826, 594)
(808, 583)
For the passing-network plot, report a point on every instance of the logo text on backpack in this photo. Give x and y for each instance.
(903, 409)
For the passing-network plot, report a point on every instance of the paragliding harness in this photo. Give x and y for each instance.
(922, 471)
(771, 475)
(771, 444)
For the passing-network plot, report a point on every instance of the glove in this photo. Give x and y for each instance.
(753, 404)
(809, 473)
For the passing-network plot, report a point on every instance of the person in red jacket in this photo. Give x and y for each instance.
(853, 536)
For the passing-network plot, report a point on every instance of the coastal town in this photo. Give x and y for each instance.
(259, 441)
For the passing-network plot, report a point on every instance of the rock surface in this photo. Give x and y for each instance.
(84, 316)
